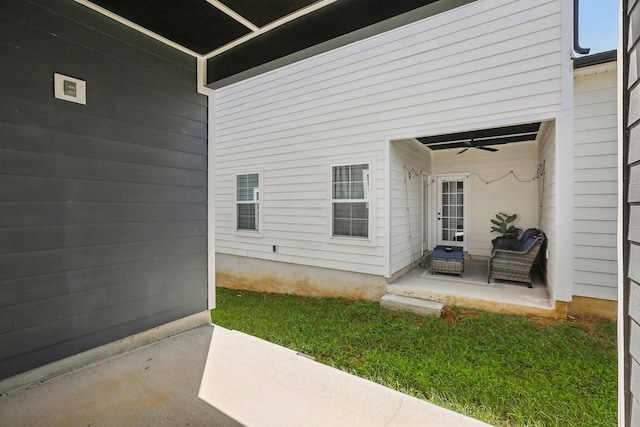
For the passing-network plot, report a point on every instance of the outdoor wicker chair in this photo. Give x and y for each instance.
(514, 262)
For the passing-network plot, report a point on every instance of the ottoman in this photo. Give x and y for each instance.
(447, 259)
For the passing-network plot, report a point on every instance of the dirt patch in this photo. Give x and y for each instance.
(452, 317)
(588, 322)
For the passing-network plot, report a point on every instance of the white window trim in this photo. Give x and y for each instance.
(260, 199)
(369, 192)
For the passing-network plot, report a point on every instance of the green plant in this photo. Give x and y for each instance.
(502, 224)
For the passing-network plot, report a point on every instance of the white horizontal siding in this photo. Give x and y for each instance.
(595, 184)
(602, 253)
(589, 227)
(483, 62)
(547, 189)
(595, 187)
(408, 161)
(598, 291)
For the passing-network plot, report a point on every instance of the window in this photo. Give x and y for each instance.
(350, 200)
(248, 201)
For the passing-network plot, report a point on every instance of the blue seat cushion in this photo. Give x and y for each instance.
(524, 245)
(442, 252)
(526, 240)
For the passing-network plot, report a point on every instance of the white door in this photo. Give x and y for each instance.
(452, 213)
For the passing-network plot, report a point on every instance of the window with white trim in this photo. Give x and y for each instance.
(350, 200)
(248, 201)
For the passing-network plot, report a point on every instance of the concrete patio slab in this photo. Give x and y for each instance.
(472, 291)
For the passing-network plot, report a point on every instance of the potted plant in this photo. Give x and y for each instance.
(502, 224)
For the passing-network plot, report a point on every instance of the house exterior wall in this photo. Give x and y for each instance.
(509, 194)
(103, 224)
(547, 196)
(595, 182)
(475, 66)
(408, 162)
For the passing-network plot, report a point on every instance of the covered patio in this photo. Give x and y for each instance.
(491, 170)
(472, 290)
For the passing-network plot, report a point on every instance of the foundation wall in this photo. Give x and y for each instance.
(593, 307)
(252, 274)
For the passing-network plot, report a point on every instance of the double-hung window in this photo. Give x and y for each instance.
(248, 201)
(350, 200)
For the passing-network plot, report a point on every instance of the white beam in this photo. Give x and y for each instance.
(269, 27)
(136, 27)
(233, 14)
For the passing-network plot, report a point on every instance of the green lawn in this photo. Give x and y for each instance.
(505, 370)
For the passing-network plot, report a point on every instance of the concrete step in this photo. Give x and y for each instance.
(419, 306)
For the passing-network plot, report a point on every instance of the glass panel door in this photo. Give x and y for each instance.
(451, 212)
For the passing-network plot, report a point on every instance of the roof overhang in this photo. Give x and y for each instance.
(595, 59)
(243, 38)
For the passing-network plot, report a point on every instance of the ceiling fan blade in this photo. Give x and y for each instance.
(462, 151)
(493, 150)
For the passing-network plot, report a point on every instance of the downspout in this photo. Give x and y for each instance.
(576, 39)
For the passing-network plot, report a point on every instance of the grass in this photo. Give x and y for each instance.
(502, 369)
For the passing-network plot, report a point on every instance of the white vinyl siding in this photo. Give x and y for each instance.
(595, 182)
(547, 197)
(489, 61)
(408, 162)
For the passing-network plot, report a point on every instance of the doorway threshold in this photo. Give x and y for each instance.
(471, 290)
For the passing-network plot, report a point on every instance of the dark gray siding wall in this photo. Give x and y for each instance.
(631, 212)
(102, 206)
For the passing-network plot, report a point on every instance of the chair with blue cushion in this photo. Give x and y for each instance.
(513, 260)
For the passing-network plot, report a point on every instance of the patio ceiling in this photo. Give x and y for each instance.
(483, 137)
(241, 38)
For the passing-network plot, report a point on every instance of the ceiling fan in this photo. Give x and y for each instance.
(470, 144)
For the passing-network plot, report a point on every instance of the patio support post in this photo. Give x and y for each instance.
(211, 218)
(562, 249)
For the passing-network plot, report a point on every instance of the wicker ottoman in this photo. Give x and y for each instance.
(447, 259)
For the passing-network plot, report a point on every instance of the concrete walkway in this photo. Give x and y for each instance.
(245, 380)
(154, 385)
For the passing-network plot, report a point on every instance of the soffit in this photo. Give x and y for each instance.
(240, 38)
(483, 137)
